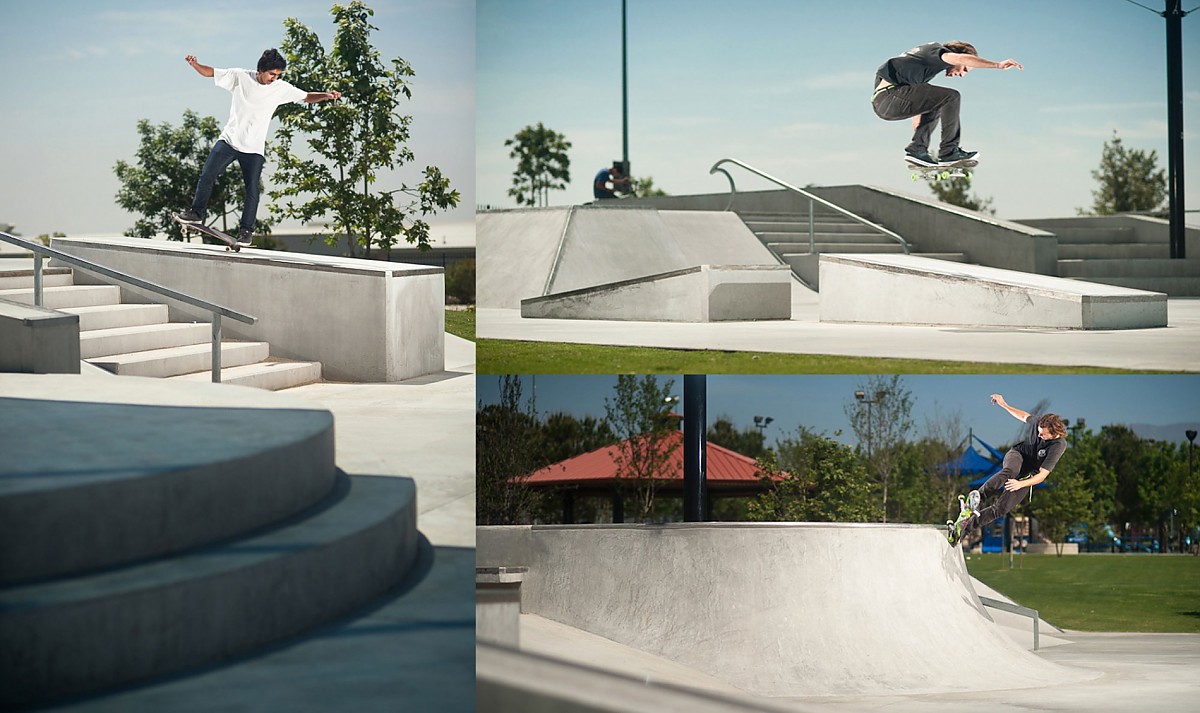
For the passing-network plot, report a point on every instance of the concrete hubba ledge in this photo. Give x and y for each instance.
(589, 261)
(705, 293)
(776, 609)
(364, 320)
(904, 289)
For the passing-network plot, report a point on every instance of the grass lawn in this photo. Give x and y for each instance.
(503, 356)
(1098, 592)
(461, 322)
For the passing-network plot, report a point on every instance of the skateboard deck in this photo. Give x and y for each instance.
(230, 243)
(940, 172)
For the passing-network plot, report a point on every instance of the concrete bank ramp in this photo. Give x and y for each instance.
(906, 289)
(535, 253)
(789, 609)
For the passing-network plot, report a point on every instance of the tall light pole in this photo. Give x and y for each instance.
(1175, 204)
(624, 98)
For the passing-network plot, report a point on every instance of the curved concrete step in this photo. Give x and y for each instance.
(69, 637)
(112, 483)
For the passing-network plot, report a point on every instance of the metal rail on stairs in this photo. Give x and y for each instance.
(716, 168)
(218, 311)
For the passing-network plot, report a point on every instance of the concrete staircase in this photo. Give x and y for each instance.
(165, 540)
(139, 340)
(786, 235)
(1105, 251)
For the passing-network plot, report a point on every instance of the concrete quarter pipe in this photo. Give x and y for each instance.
(789, 609)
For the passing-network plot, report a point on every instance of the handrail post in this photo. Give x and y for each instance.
(216, 348)
(37, 280)
(812, 247)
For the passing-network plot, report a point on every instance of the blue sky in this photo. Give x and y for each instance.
(81, 74)
(817, 401)
(785, 86)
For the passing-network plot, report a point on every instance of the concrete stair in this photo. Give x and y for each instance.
(1121, 256)
(173, 537)
(786, 234)
(138, 339)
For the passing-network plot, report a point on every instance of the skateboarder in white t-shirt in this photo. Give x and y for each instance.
(256, 94)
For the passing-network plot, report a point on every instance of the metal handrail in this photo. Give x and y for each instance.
(1016, 609)
(811, 199)
(217, 310)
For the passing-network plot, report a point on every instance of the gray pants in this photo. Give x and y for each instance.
(1011, 469)
(932, 103)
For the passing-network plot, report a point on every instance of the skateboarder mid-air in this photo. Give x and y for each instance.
(255, 96)
(902, 90)
(1025, 465)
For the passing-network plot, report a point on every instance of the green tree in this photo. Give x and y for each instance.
(1068, 499)
(812, 478)
(748, 441)
(1129, 179)
(506, 438)
(351, 140)
(919, 490)
(542, 164)
(645, 188)
(169, 162)
(565, 436)
(882, 422)
(638, 417)
(956, 191)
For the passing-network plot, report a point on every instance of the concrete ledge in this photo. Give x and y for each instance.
(34, 340)
(705, 293)
(903, 289)
(498, 604)
(364, 320)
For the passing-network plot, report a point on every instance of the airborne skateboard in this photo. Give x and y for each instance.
(942, 172)
(230, 243)
(968, 505)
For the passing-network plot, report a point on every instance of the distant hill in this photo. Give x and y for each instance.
(1172, 432)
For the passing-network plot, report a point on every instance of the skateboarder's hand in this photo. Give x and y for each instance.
(191, 59)
(998, 400)
(1009, 63)
(1012, 486)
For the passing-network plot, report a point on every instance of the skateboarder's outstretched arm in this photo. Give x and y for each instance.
(1016, 413)
(203, 69)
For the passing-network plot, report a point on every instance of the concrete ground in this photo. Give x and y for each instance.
(1167, 349)
(1153, 672)
(414, 648)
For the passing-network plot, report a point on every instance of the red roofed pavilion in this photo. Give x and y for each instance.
(595, 474)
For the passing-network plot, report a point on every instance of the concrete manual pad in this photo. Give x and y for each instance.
(905, 289)
(704, 293)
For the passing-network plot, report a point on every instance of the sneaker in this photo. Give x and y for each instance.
(245, 237)
(189, 216)
(973, 500)
(956, 155)
(921, 157)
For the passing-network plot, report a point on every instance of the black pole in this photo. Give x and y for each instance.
(1175, 205)
(624, 98)
(695, 446)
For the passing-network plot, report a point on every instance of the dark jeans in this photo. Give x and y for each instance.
(1011, 469)
(932, 103)
(219, 158)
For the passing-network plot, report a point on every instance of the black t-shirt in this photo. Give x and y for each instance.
(916, 66)
(1037, 453)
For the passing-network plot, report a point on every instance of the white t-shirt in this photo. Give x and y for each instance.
(253, 106)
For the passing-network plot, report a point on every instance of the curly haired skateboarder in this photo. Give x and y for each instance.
(244, 138)
(1025, 465)
(902, 90)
